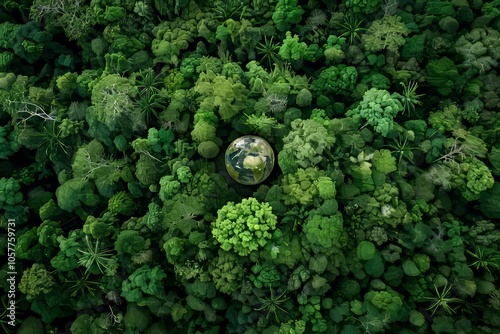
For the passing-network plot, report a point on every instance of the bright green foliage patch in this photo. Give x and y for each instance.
(244, 227)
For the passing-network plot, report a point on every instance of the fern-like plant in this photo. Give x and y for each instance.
(229, 9)
(410, 98)
(83, 286)
(442, 300)
(269, 52)
(351, 29)
(149, 100)
(94, 254)
(485, 259)
(401, 149)
(272, 304)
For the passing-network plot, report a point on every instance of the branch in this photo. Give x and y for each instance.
(38, 112)
(456, 150)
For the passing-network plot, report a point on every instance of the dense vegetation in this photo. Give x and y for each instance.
(381, 213)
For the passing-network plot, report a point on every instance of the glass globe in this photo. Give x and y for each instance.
(249, 160)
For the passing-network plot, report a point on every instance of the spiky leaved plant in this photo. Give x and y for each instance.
(410, 98)
(272, 304)
(351, 28)
(102, 258)
(269, 51)
(149, 101)
(442, 300)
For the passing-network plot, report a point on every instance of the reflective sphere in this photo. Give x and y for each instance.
(249, 160)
